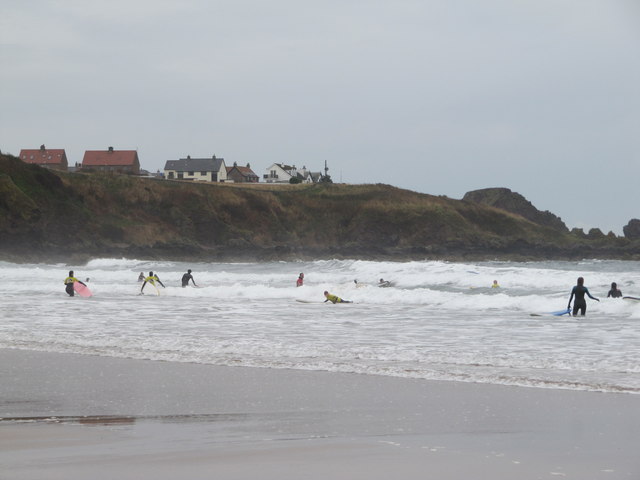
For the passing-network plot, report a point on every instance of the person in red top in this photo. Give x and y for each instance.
(300, 280)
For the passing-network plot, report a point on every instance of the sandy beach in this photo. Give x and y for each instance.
(70, 416)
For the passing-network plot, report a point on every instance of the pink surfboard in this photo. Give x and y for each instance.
(81, 289)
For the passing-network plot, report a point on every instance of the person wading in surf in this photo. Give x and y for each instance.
(185, 279)
(152, 279)
(69, 281)
(580, 304)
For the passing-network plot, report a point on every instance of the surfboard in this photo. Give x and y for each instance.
(81, 289)
(632, 298)
(559, 313)
(384, 284)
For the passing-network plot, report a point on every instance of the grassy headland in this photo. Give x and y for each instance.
(54, 216)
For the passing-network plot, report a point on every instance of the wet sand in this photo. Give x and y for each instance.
(77, 417)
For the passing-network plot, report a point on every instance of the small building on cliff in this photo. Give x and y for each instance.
(53, 158)
(110, 160)
(196, 169)
(242, 174)
(281, 173)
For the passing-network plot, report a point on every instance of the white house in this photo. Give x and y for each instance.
(196, 169)
(280, 173)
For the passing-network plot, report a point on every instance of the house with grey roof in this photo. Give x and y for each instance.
(196, 169)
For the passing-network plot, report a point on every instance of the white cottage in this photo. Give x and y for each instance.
(279, 173)
(196, 169)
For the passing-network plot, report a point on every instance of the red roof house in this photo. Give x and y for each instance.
(110, 160)
(54, 158)
(242, 174)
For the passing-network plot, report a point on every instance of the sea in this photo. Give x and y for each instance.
(437, 320)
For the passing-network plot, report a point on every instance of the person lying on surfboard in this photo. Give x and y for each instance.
(152, 279)
(69, 281)
(334, 298)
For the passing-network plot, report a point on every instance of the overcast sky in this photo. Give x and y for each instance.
(436, 96)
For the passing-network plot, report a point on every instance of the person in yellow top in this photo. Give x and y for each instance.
(495, 284)
(334, 298)
(152, 279)
(69, 281)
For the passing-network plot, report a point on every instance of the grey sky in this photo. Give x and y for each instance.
(440, 97)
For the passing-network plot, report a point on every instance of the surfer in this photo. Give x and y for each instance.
(69, 281)
(384, 283)
(141, 277)
(495, 284)
(300, 280)
(186, 277)
(580, 304)
(334, 298)
(152, 279)
(614, 292)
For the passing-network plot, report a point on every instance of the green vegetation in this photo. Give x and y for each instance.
(47, 215)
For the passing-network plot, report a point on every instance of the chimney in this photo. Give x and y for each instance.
(42, 149)
(111, 149)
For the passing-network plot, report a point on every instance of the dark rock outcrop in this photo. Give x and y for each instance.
(513, 202)
(632, 229)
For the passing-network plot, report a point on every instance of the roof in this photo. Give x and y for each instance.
(109, 157)
(195, 164)
(43, 156)
(244, 171)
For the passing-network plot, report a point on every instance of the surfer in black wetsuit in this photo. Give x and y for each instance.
(580, 304)
(69, 281)
(185, 279)
(614, 292)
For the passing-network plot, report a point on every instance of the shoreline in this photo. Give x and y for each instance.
(77, 416)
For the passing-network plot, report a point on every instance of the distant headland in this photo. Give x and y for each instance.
(51, 216)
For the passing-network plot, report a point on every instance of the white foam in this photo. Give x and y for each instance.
(439, 320)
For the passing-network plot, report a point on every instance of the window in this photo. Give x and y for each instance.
(191, 174)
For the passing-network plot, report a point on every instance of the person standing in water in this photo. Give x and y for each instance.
(300, 280)
(141, 277)
(334, 298)
(186, 277)
(69, 281)
(495, 284)
(614, 292)
(152, 279)
(580, 304)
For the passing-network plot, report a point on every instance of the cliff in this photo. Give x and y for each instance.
(53, 216)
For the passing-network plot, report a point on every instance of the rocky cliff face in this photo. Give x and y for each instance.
(513, 202)
(55, 216)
